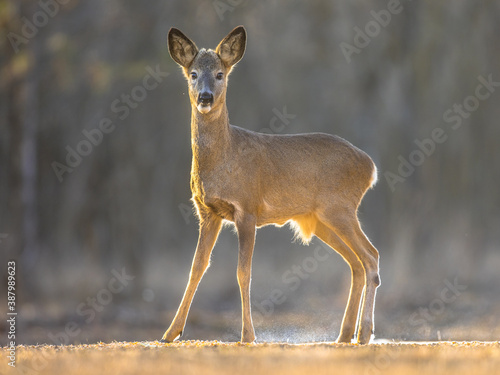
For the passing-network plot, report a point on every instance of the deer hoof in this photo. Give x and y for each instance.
(170, 337)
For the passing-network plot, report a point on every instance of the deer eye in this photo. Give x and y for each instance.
(194, 75)
(219, 76)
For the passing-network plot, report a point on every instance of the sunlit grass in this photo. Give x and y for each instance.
(215, 357)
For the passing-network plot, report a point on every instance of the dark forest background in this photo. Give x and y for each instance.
(405, 81)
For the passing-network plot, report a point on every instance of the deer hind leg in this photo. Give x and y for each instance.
(345, 224)
(209, 230)
(328, 236)
(246, 238)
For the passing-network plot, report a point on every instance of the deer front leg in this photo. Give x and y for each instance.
(246, 238)
(209, 230)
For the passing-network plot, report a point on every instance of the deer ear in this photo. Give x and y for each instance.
(181, 48)
(232, 48)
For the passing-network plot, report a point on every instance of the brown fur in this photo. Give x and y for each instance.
(314, 181)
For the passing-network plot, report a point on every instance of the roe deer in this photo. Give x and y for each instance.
(315, 181)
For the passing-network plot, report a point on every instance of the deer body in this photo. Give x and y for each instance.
(314, 180)
(269, 170)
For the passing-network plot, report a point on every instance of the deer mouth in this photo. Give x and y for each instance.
(204, 107)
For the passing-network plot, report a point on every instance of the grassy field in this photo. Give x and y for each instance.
(214, 357)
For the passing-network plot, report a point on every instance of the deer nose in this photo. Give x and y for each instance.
(206, 98)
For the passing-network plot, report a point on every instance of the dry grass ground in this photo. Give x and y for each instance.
(214, 357)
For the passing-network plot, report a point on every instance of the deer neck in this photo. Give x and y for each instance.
(210, 140)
